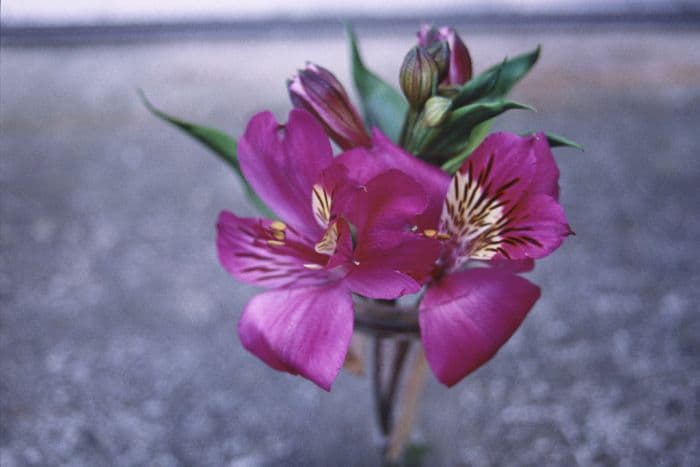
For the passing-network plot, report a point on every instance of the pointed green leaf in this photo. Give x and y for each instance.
(382, 104)
(477, 88)
(217, 141)
(510, 71)
(558, 141)
(478, 112)
(477, 135)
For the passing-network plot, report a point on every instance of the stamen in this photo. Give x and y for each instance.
(278, 225)
(313, 266)
(278, 234)
(275, 243)
(430, 233)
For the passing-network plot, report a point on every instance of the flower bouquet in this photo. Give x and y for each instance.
(409, 226)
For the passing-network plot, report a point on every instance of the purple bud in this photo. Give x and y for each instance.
(316, 90)
(459, 70)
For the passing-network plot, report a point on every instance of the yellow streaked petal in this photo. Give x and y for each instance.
(329, 242)
(321, 205)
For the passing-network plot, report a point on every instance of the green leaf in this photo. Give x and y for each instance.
(510, 71)
(477, 88)
(485, 95)
(477, 135)
(382, 104)
(454, 136)
(558, 141)
(217, 141)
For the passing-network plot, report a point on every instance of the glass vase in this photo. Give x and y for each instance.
(389, 337)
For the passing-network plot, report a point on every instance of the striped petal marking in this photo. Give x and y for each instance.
(321, 204)
(267, 253)
(477, 215)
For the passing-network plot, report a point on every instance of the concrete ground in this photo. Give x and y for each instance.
(117, 331)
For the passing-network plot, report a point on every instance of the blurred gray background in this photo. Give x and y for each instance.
(117, 324)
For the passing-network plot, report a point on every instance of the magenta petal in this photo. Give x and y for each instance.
(546, 179)
(503, 166)
(282, 163)
(514, 266)
(538, 227)
(498, 205)
(389, 264)
(304, 331)
(250, 252)
(460, 70)
(391, 200)
(467, 316)
(427, 35)
(379, 282)
(365, 164)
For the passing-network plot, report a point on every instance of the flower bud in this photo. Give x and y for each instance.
(440, 52)
(459, 70)
(418, 76)
(316, 90)
(436, 109)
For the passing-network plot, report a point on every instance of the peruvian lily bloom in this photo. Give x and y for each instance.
(318, 91)
(498, 213)
(459, 63)
(338, 237)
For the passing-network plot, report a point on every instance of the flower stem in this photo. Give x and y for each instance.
(386, 382)
(379, 399)
(400, 351)
(407, 128)
(413, 388)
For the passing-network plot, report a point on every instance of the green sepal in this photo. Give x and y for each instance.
(216, 141)
(383, 106)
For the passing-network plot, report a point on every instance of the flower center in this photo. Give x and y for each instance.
(321, 203)
(329, 241)
(473, 219)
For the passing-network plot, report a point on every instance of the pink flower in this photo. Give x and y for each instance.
(499, 212)
(459, 66)
(312, 261)
(318, 91)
